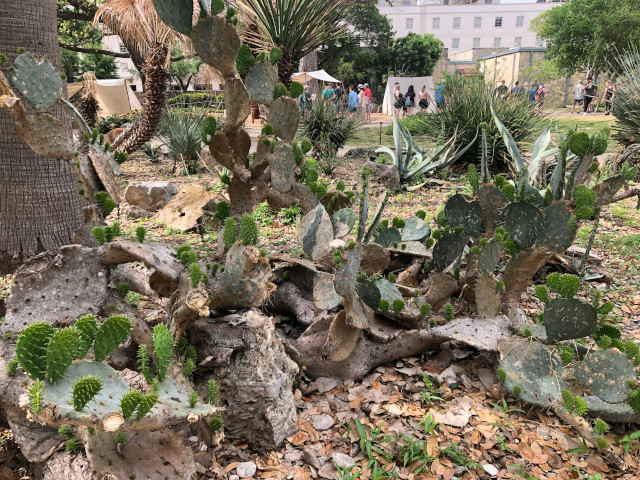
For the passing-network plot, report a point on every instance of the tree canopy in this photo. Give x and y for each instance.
(587, 35)
(416, 55)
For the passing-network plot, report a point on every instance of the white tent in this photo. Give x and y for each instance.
(417, 82)
(304, 77)
(114, 97)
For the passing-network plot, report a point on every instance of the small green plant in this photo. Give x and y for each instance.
(433, 391)
(504, 409)
(193, 399)
(71, 445)
(147, 401)
(122, 288)
(453, 453)
(84, 390)
(398, 306)
(99, 235)
(628, 439)
(383, 306)
(448, 312)
(106, 203)
(145, 363)
(36, 397)
(121, 437)
(428, 424)
(248, 230)
(140, 233)
(12, 367)
(216, 422)
(65, 430)
(129, 402)
(195, 274)
(212, 392)
(163, 345)
(229, 235)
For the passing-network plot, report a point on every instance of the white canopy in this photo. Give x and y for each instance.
(417, 82)
(114, 96)
(304, 77)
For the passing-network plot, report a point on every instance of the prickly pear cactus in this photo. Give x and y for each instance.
(316, 233)
(555, 232)
(37, 81)
(523, 221)
(177, 14)
(343, 221)
(31, 349)
(62, 349)
(284, 116)
(415, 229)
(464, 212)
(567, 318)
(261, 82)
(45, 135)
(388, 237)
(606, 374)
(216, 42)
(282, 164)
(447, 250)
(111, 333)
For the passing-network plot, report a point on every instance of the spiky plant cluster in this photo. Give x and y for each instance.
(565, 284)
(186, 254)
(216, 422)
(448, 312)
(129, 402)
(425, 309)
(105, 201)
(12, 367)
(383, 306)
(248, 230)
(229, 235)
(163, 345)
(397, 306)
(36, 397)
(144, 361)
(121, 437)
(122, 288)
(212, 392)
(195, 274)
(65, 430)
(193, 399)
(147, 401)
(141, 232)
(72, 445)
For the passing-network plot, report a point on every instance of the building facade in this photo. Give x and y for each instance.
(468, 24)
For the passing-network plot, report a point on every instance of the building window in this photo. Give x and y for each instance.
(445, 2)
(409, 23)
(498, 22)
(406, 2)
(520, 21)
(455, 43)
(518, 41)
(496, 42)
(123, 49)
(435, 23)
(477, 22)
(476, 43)
(456, 22)
(488, 2)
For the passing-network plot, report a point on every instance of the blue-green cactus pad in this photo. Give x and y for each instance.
(565, 319)
(343, 221)
(605, 373)
(460, 211)
(37, 81)
(415, 229)
(388, 237)
(216, 43)
(178, 14)
(447, 250)
(261, 82)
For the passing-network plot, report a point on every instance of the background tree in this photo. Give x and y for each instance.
(40, 208)
(587, 35)
(416, 55)
(183, 71)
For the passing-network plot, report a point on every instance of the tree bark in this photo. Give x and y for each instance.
(40, 208)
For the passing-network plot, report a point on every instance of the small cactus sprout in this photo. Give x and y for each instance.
(566, 354)
(275, 55)
(145, 362)
(456, 273)
(383, 305)
(12, 367)
(116, 228)
(217, 6)
(267, 129)
(129, 402)
(448, 312)
(212, 392)
(421, 214)
(600, 426)
(140, 233)
(94, 135)
(433, 323)
(425, 309)
(61, 351)
(340, 186)
(502, 375)
(65, 430)
(3, 59)
(296, 89)
(31, 349)
(36, 397)
(223, 210)
(527, 332)
(71, 445)
(163, 345)
(189, 367)
(397, 305)
(215, 422)
(244, 60)
(186, 254)
(84, 390)
(111, 333)
(429, 242)
(147, 401)
(499, 286)
(398, 222)
(602, 443)
(475, 250)
(108, 234)
(98, 234)
(193, 399)
(281, 91)
(305, 145)
(440, 218)
(517, 390)
(569, 400)
(121, 437)
(392, 277)
(566, 284)
(580, 406)
(195, 274)
(541, 293)
(106, 203)
(122, 288)
(509, 191)
(229, 235)
(248, 230)
(605, 308)
(474, 180)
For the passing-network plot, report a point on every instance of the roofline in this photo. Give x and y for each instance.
(515, 50)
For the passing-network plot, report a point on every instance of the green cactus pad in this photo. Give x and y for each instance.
(343, 221)
(111, 333)
(388, 291)
(492, 200)
(86, 326)
(31, 349)
(579, 144)
(368, 293)
(62, 350)
(460, 211)
(37, 81)
(261, 83)
(282, 163)
(45, 135)
(284, 116)
(216, 43)
(147, 402)
(605, 373)
(569, 318)
(316, 233)
(535, 368)
(129, 402)
(84, 390)
(415, 229)
(178, 14)
(388, 237)
(523, 222)
(555, 233)
(245, 60)
(163, 346)
(489, 257)
(447, 250)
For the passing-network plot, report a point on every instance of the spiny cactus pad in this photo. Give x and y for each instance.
(284, 116)
(415, 229)
(388, 291)
(282, 163)
(216, 43)
(569, 318)
(447, 250)
(460, 211)
(177, 14)
(129, 402)
(84, 390)
(489, 257)
(388, 237)
(324, 293)
(31, 349)
(261, 82)
(63, 347)
(86, 326)
(523, 222)
(45, 134)
(316, 233)
(343, 221)
(605, 373)
(111, 333)
(163, 346)
(36, 80)
(555, 233)
(368, 293)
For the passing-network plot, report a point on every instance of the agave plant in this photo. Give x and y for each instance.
(627, 100)
(411, 161)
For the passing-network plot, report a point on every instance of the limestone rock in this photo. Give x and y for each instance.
(149, 196)
(136, 212)
(386, 175)
(185, 209)
(246, 469)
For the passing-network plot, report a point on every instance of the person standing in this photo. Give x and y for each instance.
(440, 98)
(367, 101)
(398, 103)
(607, 96)
(352, 101)
(516, 89)
(578, 96)
(542, 92)
(361, 100)
(304, 101)
(338, 92)
(590, 92)
(410, 100)
(502, 90)
(533, 92)
(328, 93)
(423, 99)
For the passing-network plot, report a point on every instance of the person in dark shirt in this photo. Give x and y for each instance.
(502, 90)
(338, 92)
(590, 93)
(516, 89)
(410, 100)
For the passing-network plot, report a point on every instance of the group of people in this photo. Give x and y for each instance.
(587, 95)
(358, 99)
(406, 102)
(536, 92)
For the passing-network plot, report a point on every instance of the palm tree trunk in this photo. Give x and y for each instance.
(287, 66)
(40, 208)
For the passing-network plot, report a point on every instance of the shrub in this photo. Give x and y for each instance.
(117, 121)
(468, 106)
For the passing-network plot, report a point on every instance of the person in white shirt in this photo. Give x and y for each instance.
(578, 96)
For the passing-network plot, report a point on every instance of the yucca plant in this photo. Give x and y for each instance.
(468, 106)
(627, 100)
(412, 162)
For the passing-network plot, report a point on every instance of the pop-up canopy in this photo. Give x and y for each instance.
(304, 77)
(114, 97)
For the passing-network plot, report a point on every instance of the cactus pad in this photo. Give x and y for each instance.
(569, 318)
(388, 237)
(388, 291)
(62, 350)
(111, 333)
(163, 346)
(86, 326)
(31, 349)
(605, 373)
(415, 229)
(316, 233)
(492, 201)
(261, 83)
(535, 368)
(236, 102)
(324, 293)
(177, 14)
(523, 222)
(129, 402)
(282, 164)
(447, 250)
(555, 233)
(36, 80)
(84, 390)
(216, 43)
(284, 116)
(489, 257)
(460, 211)
(368, 293)
(45, 135)
(343, 221)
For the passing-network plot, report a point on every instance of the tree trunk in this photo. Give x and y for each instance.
(309, 63)
(40, 208)
(287, 66)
